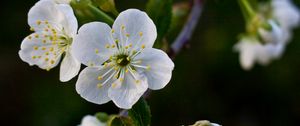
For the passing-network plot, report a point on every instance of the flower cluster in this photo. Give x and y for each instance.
(268, 32)
(121, 62)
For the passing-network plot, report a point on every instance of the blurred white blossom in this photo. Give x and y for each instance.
(273, 25)
(204, 123)
(54, 27)
(91, 121)
(121, 62)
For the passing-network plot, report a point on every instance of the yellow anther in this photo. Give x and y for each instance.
(52, 61)
(54, 43)
(130, 45)
(114, 85)
(100, 78)
(140, 33)
(126, 71)
(116, 76)
(107, 46)
(113, 46)
(35, 48)
(54, 54)
(111, 57)
(112, 31)
(39, 57)
(127, 35)
(48, 69)
(51, 49)
(122, 27)
(121, 79)
(143, 46)
(36, 35)
(29, 37)
(127, 58)
(38, 22)
(116, 67)
(137, 81)
(44, 41)
(31, 29)
(43, 48)
(63, 49)
(96, 51)
(126, 47)
(46, 22)
(33, 57)
(46, 29)
(47, 53)
(46, 59)
(117, 40)
(99, 85)
(45, 36)
(148, 67)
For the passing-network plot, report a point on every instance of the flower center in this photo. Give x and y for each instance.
(122, 60)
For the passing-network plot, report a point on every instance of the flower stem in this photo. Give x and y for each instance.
(247, 9)
(101, 15)
(188, 29)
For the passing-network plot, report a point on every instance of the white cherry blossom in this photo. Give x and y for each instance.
(54, 27)
(121, 61)
(89, 120)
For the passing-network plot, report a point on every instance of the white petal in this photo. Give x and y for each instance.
(45, 10)
(69, 67)
(138, 26)
(246, 48)
(89, 46)
(158, 67)
(90, 84)
(62, 1)
(286, 13)
(275, 50)
(125, 93)
(91, 121)
(35, 52)
(70, 24)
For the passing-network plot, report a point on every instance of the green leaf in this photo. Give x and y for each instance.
(86, 12)
(160, 11)
(140, 113)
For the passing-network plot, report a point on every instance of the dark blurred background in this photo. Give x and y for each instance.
(207, 83)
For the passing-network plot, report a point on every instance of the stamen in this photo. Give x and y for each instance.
(96, 51)
(140, 34)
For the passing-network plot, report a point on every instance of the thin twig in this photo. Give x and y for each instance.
(182, 39)
(188, 30)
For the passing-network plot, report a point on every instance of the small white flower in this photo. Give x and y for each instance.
(121, 61)
(54, 27)
(91, 121)
(251, 51)
(205, 123)
(286, 13)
